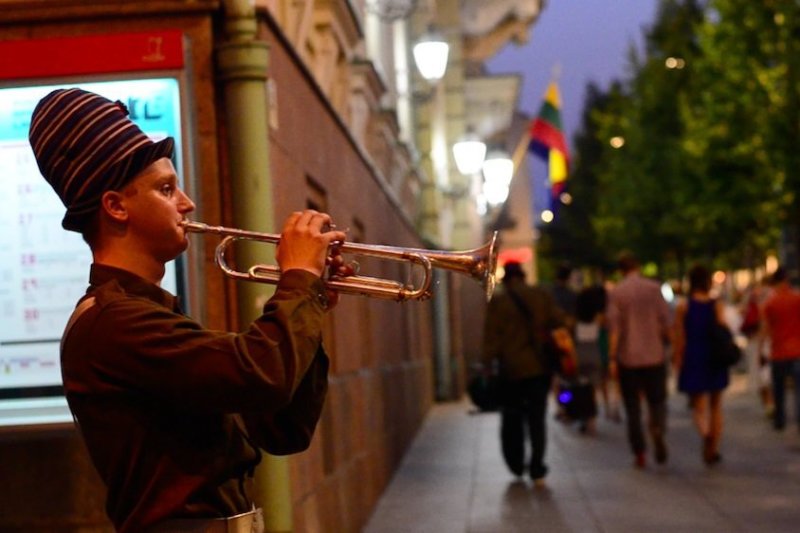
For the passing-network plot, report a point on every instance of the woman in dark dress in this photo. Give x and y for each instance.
(697, 377)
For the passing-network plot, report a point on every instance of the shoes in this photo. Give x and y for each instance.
(710, 455)
(538, 474)
(516, 467)
(708, 450)
(660, 449)
(587, 427)
(539, 483)
(640, 461)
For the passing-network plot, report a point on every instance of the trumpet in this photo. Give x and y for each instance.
(479, 264)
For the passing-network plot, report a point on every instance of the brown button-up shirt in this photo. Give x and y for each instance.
(174, 414)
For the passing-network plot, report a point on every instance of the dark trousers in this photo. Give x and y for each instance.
(525, 404)
(780, 371)
(651, 382)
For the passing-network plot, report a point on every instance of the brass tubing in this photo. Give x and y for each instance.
(480, 264)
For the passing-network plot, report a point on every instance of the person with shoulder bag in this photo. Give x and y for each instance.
(699, 375)
(521, 321)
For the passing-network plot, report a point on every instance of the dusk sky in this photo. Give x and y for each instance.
(589, 40)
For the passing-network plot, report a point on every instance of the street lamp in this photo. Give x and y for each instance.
(430, 55)
(469, 153)
(498, 169)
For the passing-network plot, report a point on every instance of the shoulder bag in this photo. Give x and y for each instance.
(724, 351)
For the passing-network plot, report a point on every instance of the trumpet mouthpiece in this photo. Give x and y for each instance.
(195, 227)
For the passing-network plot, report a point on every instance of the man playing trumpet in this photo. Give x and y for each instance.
(173, 414)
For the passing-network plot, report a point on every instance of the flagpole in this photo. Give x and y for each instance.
(520, 151)
(517, 158)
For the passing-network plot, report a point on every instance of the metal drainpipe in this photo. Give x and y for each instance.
(242, 62)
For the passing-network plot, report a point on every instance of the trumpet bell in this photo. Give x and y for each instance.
(480, 264)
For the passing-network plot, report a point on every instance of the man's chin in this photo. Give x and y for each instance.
(173, 254)
(183, 248)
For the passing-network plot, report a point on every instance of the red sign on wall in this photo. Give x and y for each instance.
(94, 54)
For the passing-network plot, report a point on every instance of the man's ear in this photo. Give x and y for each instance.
(112, 203)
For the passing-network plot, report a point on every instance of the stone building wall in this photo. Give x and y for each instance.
(381, 351)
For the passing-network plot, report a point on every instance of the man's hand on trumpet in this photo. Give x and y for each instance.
(308, 241)
(304, 244)
(337, 269)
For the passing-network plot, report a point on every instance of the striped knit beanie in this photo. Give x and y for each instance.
(86, 145)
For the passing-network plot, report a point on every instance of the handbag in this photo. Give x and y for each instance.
(485, 391)
(724, 351)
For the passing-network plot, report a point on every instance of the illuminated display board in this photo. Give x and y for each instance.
(44, 269)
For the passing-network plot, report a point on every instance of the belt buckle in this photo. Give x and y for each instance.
(249, 522)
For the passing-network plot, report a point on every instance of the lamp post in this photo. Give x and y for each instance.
(391, 10)
(430, 54)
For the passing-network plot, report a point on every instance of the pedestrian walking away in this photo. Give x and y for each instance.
(698, 376)
(590, 321)
(639, 329)
(781, 326)
(521, 321)
(757, 350)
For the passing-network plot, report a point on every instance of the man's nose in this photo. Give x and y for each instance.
(185, 204)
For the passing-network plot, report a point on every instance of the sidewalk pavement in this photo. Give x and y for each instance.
(453, 479)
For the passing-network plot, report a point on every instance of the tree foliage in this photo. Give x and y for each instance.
(710, 118)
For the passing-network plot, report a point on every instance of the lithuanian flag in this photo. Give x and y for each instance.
(547, 141)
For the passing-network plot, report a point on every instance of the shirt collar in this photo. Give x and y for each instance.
(131, 284)
(633, 274)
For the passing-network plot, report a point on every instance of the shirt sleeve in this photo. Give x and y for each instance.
(138, 346)
(290, 429)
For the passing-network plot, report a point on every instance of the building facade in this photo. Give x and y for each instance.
(286, 105)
